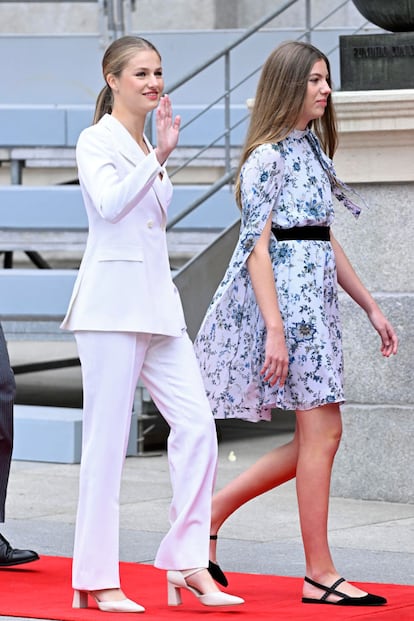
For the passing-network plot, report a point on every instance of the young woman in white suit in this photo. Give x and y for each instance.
(128, 322)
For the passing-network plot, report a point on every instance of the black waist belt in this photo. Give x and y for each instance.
(303, 232)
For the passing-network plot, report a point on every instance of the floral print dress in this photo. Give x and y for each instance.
(292, 180)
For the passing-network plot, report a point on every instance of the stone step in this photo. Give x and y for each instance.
(53, 434)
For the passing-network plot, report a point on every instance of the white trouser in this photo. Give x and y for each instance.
(111, 365)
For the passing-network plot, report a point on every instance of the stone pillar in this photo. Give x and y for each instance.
(376, 156)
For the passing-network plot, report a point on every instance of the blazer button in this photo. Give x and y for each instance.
(150, 224)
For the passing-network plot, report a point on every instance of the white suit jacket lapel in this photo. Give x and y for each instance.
(124, 142)
(129, 149)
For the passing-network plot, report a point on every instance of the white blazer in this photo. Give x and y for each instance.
(124, 281)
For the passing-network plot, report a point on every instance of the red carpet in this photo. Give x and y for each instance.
(42, 590)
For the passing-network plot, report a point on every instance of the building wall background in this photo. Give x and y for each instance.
(155, 15)
(373, 461)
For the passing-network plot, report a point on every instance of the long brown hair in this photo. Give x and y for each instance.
(279, 100)
(114, 60)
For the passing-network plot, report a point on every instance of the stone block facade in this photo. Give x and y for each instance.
(375, 457)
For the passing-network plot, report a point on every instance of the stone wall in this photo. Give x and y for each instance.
(375, 155)
(156, 15)
(375, 457)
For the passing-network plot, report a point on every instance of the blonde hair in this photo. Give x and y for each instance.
(280, 94)
(115, 59)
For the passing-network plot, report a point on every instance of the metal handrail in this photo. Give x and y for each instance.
(248, 33)
(220, 183)
(207, 146)
(224, 53)
(228, 176)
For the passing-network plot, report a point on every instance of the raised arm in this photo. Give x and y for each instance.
(350, 282)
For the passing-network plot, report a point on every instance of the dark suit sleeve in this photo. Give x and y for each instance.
(7, 394)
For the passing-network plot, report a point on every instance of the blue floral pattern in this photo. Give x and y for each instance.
(287, 180)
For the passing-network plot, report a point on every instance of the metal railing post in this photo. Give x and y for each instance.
(308, 21)
(227, 120)
(16, 171)
(120, 19)
(16, 178)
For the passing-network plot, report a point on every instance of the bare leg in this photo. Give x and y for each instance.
(309, 457)
(271, 470)
(319, 433)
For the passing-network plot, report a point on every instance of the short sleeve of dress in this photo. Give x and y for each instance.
(261, 179)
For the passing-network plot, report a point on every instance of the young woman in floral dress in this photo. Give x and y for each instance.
(271, 337)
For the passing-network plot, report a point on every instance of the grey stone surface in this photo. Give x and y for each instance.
(397, 16)
(376, 61)
(378, 243)
(369, 377)
(375, 458)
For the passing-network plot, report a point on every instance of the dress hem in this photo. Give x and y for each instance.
(266, 413)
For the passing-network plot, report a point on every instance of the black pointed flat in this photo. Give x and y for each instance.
(215, 570)
(217, 574)
(346, 600)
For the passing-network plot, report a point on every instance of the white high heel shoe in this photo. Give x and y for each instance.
(80, 600)
(177, 580)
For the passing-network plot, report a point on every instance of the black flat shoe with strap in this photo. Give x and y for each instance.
(346, 600)
(215, 571)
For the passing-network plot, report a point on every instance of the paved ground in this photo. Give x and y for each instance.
(371, 541)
